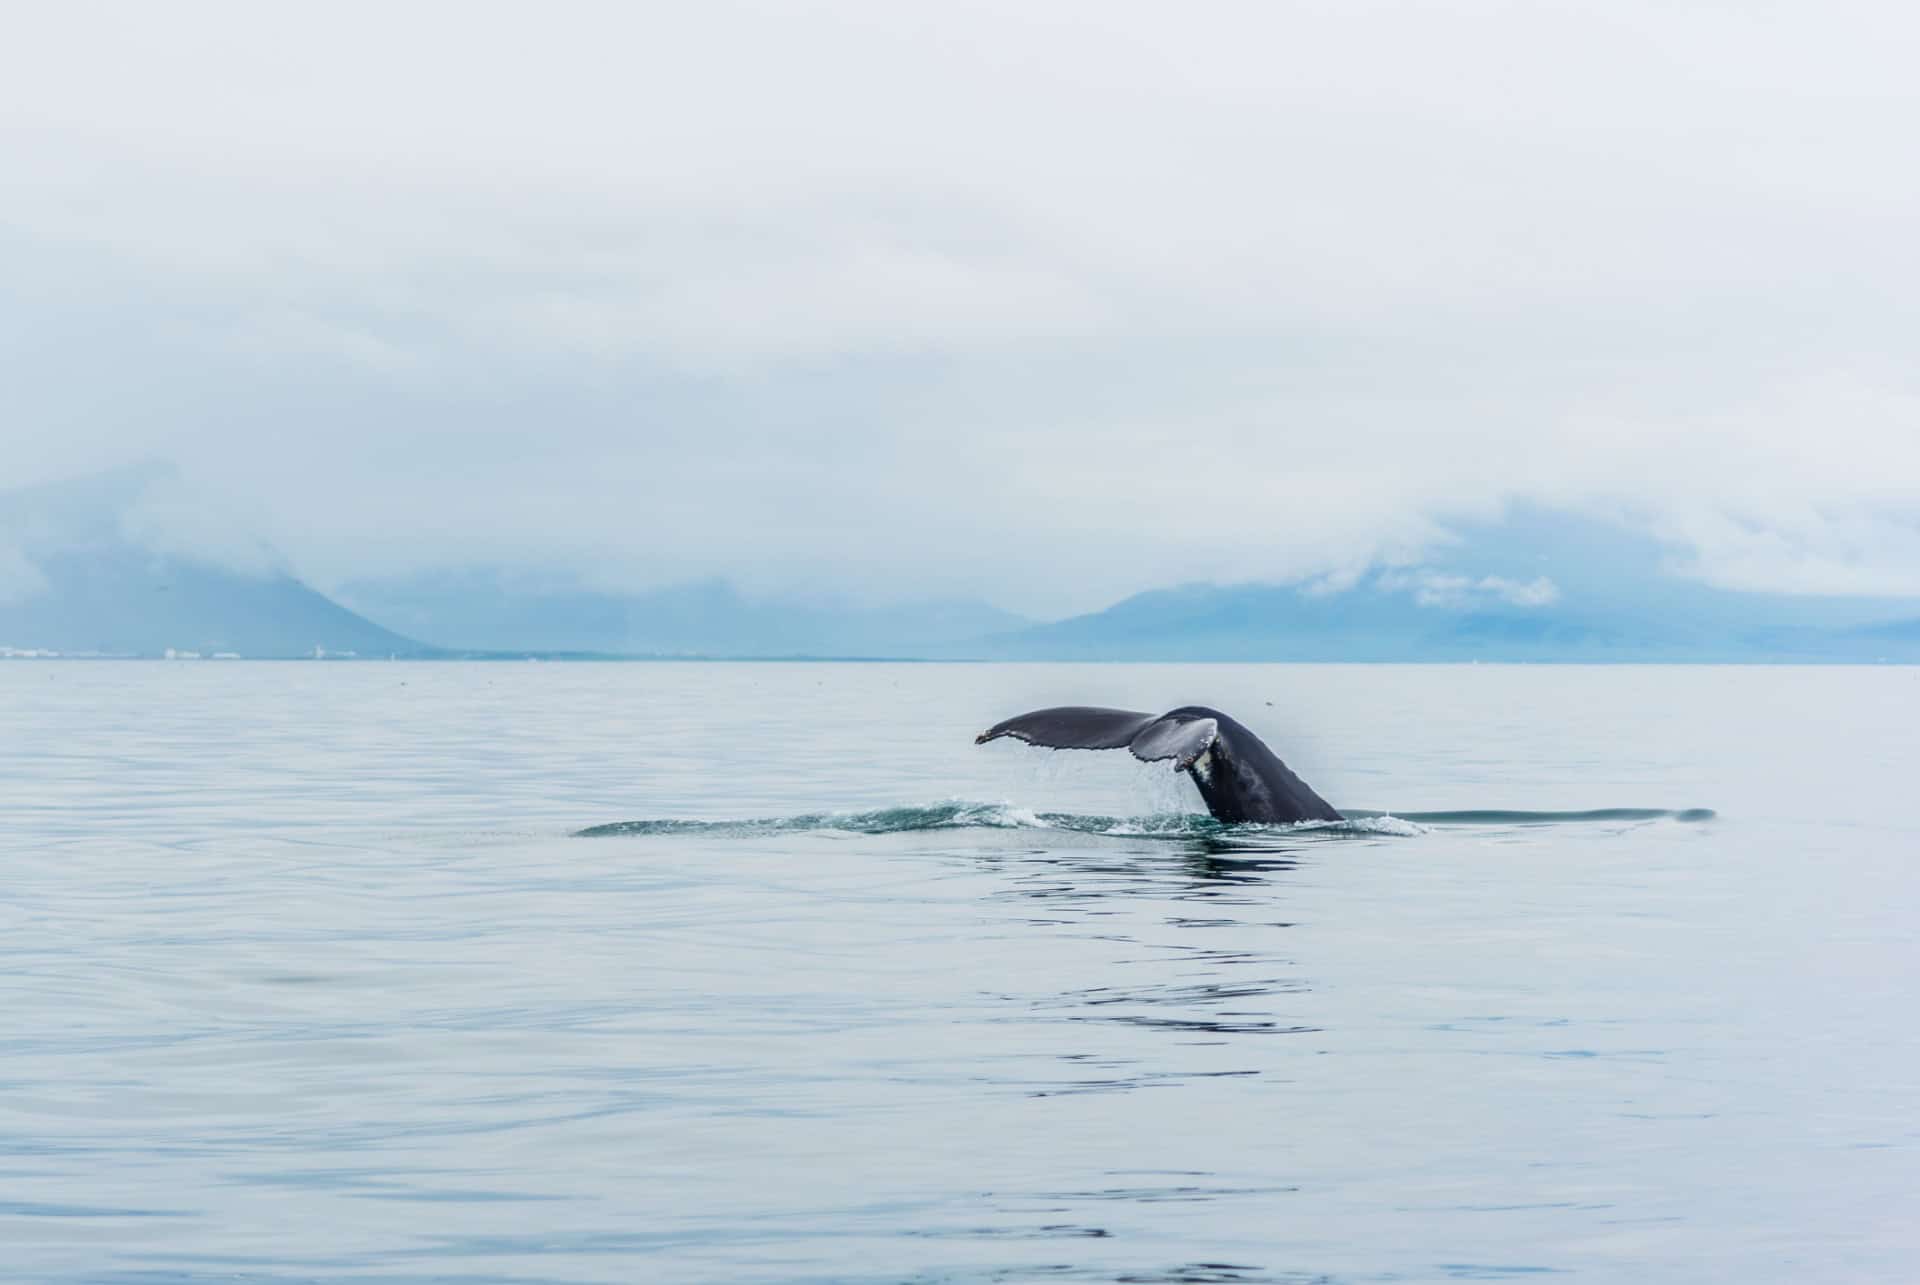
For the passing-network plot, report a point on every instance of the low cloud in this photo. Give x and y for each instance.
(1862, 550)
(147, 506)
(20, 579)
(172, 517)
(1456, 592)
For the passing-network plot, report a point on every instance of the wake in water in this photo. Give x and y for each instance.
(1167, 825)
(938, 816)
(1507, 817)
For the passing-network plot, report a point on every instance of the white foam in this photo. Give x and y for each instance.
(1375, 825)
(1023, 818)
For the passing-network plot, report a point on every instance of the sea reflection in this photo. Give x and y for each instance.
(1195, 866)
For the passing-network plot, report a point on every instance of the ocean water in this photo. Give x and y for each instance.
(309, 976)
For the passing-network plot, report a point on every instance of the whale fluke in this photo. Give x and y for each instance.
(1238, 776)
(1179, 736)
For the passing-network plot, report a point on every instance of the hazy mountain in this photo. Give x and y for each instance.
(125, 563)
(1535, 586)
(502, 610)
(132, 563)
(1371, 623)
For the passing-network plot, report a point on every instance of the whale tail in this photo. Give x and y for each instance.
(1238, 776)
(1180, 737)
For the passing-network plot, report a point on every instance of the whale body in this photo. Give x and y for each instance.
(1239, 777)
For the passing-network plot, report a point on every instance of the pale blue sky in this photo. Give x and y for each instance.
(1043, 303)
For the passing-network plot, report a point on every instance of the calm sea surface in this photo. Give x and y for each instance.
(307, 977)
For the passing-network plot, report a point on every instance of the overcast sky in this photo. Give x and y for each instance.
(1042, 302)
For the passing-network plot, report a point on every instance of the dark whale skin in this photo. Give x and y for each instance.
(1241, 780)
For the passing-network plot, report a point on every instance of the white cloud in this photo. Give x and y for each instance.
(1795, 549)
(1456, 592)
(1050, 303)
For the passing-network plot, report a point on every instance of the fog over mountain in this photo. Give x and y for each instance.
(131, 563)
(518, 610)
(137, 561)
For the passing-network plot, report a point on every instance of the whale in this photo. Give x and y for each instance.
(1242, 781)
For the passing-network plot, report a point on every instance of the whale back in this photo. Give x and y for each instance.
(1244, 781)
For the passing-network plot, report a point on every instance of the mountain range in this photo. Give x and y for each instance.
(130, 563)
(1535, 585)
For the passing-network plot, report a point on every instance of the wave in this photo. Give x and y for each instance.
(959, 815)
